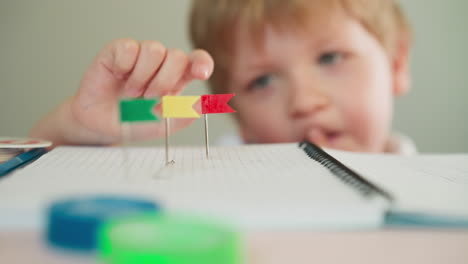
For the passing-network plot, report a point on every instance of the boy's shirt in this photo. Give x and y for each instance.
(397, 143)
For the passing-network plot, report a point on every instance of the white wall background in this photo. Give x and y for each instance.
(46, 46)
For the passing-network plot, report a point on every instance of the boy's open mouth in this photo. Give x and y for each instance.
(333, 136)
(332, 139)
(326, 137)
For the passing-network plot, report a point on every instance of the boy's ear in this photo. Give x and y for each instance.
(401, 67)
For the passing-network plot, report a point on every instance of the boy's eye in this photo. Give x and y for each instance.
(261, 82)
(330, 58)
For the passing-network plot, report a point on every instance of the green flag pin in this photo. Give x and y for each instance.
(138, 110)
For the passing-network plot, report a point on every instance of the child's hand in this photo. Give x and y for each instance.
(128, 68)
(125, 68)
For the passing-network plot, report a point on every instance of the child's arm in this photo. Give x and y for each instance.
(127, 68)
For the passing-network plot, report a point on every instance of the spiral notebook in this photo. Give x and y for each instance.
(254, 186)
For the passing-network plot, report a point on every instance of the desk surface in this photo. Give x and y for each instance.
(386, 246)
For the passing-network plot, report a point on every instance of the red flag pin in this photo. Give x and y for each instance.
(214, 104)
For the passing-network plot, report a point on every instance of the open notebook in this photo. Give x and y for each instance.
(252, 186)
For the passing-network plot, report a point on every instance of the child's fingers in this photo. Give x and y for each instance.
(200, 67)
(152, 55)
(170, 73)
(108, 71)
(119, 57)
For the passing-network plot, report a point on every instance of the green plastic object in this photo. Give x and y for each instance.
(138, 110)
(161, 239)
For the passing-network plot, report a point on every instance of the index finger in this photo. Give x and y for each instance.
(201, 66)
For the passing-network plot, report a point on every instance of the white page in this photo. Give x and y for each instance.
(257, 186)
(425, 184)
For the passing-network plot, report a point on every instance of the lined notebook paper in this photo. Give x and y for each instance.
(431, 184)
(254, 187)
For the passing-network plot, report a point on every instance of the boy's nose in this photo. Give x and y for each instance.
(306, 98)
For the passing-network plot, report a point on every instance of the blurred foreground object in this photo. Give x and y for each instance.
(73, 223)
(156, 238)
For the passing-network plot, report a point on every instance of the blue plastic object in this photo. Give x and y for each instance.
(20, 160)
(73, 223)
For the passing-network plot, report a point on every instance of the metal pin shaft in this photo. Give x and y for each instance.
(207, 145)
(125, 129)
(167, 141)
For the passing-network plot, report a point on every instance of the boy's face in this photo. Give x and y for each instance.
(333, 86)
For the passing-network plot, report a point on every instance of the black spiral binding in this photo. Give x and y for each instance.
(344, 173)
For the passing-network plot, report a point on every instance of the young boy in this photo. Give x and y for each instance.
(321, 70)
